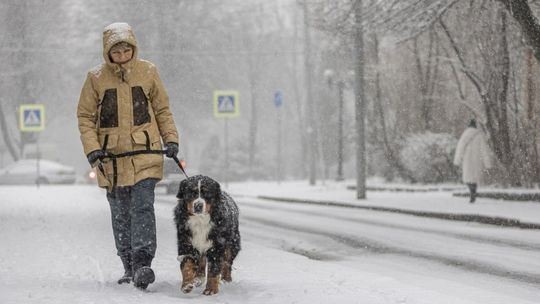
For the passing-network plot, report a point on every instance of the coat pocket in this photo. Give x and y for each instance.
(146, 140)
(143, 162)
(141, 140)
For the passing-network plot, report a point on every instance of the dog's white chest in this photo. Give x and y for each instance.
(200, 226)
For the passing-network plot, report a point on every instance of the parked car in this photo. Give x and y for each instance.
(24, 172)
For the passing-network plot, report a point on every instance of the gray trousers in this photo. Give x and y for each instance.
(133, 219)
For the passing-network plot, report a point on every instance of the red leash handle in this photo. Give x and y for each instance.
(179, 165)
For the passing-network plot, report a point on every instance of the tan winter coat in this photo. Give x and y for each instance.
(125, 108)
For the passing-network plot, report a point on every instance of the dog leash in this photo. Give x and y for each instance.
(113, 157)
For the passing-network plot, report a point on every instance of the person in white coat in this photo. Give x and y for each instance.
(473, 156)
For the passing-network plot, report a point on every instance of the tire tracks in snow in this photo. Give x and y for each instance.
(475, 238)
(372, 246)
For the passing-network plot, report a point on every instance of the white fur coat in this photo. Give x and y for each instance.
(473, 155)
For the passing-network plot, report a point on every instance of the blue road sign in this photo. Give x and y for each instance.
(32, 118)
(226, 104)
(278, 99)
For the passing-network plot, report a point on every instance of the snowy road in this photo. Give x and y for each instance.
(57, 247)
(475, 253)
(507, 253)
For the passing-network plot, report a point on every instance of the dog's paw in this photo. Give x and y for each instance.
(212, 286)
(198, 281)
(226, 278)
(210, 291)
(187, 287)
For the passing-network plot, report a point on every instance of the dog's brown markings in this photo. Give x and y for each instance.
(212, 285)
(189, 208)
(188, 275)
(226, 268)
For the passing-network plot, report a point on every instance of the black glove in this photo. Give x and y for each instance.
(171, 149)
(95, 155)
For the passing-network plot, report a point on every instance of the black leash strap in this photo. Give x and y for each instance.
(179, 165)
(113, 157)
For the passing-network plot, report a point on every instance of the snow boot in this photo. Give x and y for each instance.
(143, 275)
(128, 271)
(472, 188)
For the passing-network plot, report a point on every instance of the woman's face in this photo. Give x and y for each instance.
(121, 55)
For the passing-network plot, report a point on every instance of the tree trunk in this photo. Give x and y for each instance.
(253, 121)
(389, 153)
(312, 138)
(497, 106)
(5, 135)
(360, 103)
(522, 13)
(298, 101)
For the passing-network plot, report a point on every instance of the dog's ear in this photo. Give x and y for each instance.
(181, 189)
(217, 191)
(180, 212)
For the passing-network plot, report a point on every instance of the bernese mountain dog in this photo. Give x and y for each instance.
(207, 230)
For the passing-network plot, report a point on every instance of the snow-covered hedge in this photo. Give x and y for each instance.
(428, 156)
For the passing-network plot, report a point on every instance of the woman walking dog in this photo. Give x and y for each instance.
(123, 108)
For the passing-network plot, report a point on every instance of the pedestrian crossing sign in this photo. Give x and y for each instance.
(32, 117)
(226, 104)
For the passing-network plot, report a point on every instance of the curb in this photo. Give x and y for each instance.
(521, 197)
(406, 189)
(483, 219)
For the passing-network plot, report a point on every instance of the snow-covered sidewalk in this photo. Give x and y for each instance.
(430, 201)
(57, 247)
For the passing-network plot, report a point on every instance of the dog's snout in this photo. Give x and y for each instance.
(198, 206)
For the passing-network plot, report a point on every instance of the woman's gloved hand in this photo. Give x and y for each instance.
(171, 149)
(95, 155)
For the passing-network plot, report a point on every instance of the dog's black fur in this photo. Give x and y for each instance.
(224, 233)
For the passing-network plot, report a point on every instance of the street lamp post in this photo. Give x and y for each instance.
(339, 177)
(360, 103)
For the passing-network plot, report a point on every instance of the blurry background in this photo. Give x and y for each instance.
(430, 67)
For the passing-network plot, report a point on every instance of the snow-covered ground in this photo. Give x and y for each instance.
(433, 201)
(57, 247)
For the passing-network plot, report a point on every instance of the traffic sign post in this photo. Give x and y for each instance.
(32, 119)
(278, 102)
(2, 151)
(226, 105)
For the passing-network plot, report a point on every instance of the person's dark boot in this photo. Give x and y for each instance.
(472, 188)
(143, 275)
(128, 271)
